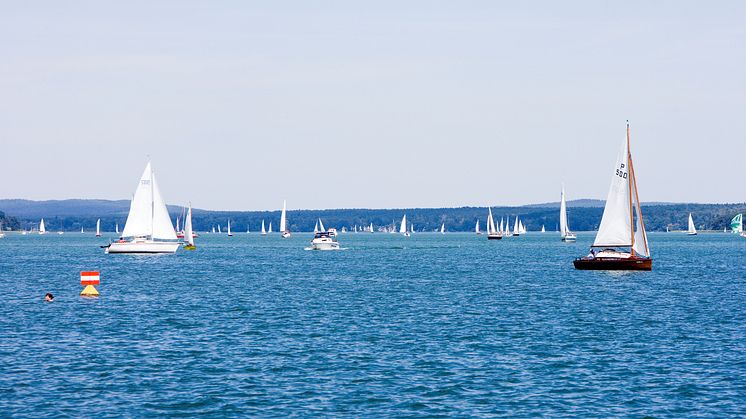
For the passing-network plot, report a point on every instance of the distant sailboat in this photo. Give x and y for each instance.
(542, 229)
(219, 231)
(476, 228)
(736, 224)
(403, 226)
(411, 228)
(283, 222)
(188, 234)
(270, 227)
(42, 228)
(116, 228)
(565, 234)
(516, 230)
(213, 229)
(81, 230)
(622, 224)
(316, 227)
(443, 228)
(148, 228)
(264, 232)
(371, 227)
(98, 228)
(493, 233)
(691, 231)
(229, 229)
(521, 227)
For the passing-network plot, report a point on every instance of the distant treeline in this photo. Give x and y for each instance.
(657, 218)
(9, 223)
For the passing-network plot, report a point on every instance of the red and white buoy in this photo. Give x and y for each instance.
(89, 279)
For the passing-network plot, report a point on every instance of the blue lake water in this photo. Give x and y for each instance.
(433, 325)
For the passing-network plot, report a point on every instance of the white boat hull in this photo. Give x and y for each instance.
(569, 238)
(147, 246)
(321, 244)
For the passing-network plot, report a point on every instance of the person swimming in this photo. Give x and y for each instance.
(49, 297)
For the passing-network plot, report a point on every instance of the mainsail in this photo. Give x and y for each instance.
(403, 226)
(736, 224)
(691, 229)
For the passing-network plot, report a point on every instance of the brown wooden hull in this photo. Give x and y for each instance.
(614, 264)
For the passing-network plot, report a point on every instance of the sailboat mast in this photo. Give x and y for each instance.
(629, 185)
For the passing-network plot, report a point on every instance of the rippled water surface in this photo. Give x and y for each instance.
(426, 326)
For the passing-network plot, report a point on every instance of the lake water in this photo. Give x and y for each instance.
(433, 325)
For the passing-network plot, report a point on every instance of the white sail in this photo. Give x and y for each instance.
(264, 231)
(476, 228)
(403, 226)
(564, 228)
(542, 229)
(188, 236)
(219, 231)
(501, 230)
(490, 223)
(213, 229)
(521, 227)
(81, 230)
(692, 229)
(616, 223)
(98, 227)
(148, 216)
(316, 227)
(116, 228)
(443, 228)
(177, 224)
(42, 228)
(622, 222)
(411, 228)
(321, 226)
(516, 231)
(283, 218)
(270, 227)
(229, 228)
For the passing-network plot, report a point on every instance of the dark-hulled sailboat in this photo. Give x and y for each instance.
(621, 242)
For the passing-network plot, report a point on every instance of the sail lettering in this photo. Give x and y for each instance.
(621, 172)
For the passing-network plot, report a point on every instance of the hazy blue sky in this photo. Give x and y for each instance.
(371, 104)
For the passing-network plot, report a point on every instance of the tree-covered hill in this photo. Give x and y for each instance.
(584, 215)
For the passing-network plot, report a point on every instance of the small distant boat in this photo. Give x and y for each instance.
(332, 232)
(42, 228)
(283, 222)
(565, 233)
(322, 240)
(213, 229)
(492, 232)
(270, 227)
(403, 226)
(188, 233)
(692, 231)
(411, 228)
(81, 230)
(443, 228)
(229, 229)
(371, 227)
(264, 231)
(622, 224)
(476, 228)
(219, 231)
(542, 229)
(516, 228)
(116, 228)
(148, 228)
(521, 227)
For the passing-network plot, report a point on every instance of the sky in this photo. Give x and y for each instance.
(378, 104)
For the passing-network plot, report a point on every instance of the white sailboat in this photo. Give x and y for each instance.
(691, 231)
(270, 227)
(188, 234)
(565, 234)
(116, 228)
(264, 231)
(213, 229)
(42, 228)
(229, 229)
(493, 233)
(98, 228)
(403, 226)
(411, 228)
(321, 226)
(371, 227)
(443, 228)
(81, 230)
(542, 229)
(316, 227)
(516, 231)
(521, 227)
(219, 231)
(283, 221)
(148, 228)
(476, 228)
(621, 234)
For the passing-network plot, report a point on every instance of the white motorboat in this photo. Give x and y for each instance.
(324, 241)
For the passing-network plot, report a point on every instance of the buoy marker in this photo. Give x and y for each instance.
(89, 279)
